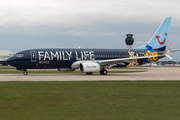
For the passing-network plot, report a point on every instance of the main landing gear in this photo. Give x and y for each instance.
(103, 72)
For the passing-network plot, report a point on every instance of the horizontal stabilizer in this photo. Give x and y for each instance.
(175, 50)
(170, 57)
(168, 51)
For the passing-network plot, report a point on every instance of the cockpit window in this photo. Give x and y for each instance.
(19, 55)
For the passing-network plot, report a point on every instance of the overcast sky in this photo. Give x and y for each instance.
(27, 24)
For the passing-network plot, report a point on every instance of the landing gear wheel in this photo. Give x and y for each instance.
(103, 72)
(89, 73)
(25, 73)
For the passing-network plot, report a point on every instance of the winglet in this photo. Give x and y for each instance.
(169, 49)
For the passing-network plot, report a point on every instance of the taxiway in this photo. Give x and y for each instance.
(152, 73)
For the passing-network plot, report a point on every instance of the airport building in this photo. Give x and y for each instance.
(4, 55)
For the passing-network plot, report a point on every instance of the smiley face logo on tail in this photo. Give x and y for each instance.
(161, 43)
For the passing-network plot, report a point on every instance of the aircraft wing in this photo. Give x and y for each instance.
(113, 62)
(122, 60)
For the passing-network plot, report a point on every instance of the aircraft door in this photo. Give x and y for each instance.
(33, 56)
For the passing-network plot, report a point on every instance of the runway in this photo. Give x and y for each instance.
(152, 73)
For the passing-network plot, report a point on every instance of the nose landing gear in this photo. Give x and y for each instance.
(25, 72)
(22, 69)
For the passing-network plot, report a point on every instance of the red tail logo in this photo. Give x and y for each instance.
(162, 41)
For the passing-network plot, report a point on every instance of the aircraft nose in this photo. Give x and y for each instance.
(10, 61)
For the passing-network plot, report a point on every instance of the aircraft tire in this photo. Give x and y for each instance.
(25, 73)
(103, 72)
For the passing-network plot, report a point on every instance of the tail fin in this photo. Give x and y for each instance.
(159, 39)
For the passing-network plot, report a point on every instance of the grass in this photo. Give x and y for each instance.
(7, 67)
(112, 100)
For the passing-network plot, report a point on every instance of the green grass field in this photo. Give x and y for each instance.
(7, 67)
(112, 100)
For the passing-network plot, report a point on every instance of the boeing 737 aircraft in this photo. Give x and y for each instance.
(94, 60)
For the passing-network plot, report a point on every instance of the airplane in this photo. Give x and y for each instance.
(94, 60)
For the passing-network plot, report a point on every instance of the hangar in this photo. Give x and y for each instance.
(4, 55)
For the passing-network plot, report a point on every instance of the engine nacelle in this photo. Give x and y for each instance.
(65, 70)
(89, 67)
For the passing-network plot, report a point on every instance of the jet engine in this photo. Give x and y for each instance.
(89, 67)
